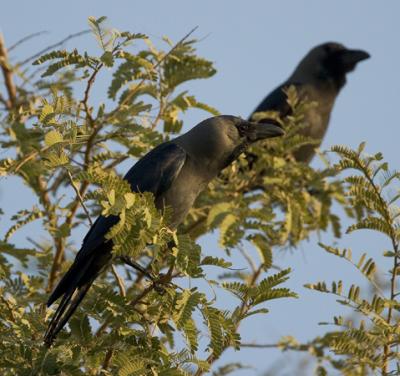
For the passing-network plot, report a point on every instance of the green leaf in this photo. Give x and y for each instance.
(215, 261)
(264, 250)
(217, 212)
(53, 137)
(107, 58)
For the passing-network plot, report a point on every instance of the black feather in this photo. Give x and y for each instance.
(154, 173)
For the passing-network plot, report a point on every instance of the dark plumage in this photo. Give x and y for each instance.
(319, 77)
(175, 172)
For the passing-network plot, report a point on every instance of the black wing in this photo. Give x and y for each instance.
(276, 101)
(153, 173)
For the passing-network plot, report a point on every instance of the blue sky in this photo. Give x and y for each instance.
(255, 46)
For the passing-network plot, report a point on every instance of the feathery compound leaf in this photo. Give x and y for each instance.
(226, 224)
(239, 289)
(131, 366)
(186, 68)
(191, 333)
(23, 217)
(263, 295)
(51, 56)
(53, 137)
(264, 249)
(372, 223)
(105, 37)
(214, 321)
(188, 255)
(344, 253)
(72, 58)
(217, 213)
(274, 280)
(215, 261)
(345, 152)
(185, 306)
(80, 327)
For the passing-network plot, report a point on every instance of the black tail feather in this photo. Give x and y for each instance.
(67, 307)
(72, 287)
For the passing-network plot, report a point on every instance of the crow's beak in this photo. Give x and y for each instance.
(350, 58)
(267, 129)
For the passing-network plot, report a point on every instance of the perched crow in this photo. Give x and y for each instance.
(319, 77)
(175, 172)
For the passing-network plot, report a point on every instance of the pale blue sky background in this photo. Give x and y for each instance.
(255, 46)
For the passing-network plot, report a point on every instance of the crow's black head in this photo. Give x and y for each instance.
(340, 60)
(331, 61)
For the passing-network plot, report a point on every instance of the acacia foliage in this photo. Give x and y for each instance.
(66, 149)
(366, 342)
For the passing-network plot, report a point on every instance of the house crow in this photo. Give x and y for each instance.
(175, 172)
(319, 77)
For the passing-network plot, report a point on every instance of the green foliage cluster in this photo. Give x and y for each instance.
(366, 343)
(66, 149)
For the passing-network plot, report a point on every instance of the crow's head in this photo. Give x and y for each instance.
(330, 61)
(221, 139)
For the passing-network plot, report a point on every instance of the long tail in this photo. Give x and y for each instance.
(73, 288)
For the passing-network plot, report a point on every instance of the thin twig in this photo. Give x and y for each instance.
(120, 281)
(78, 194)
(40, 53)
(58, 259)
(24, 39)
(7, 73)
(107, 359)
(262, 346)
(30, 156)
(85, 99)
(248, 259)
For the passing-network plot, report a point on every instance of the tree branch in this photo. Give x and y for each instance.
(86, 94)
(7, 73)
(107, 359)
(24, 39)
(119, 280)
(40, 53)
(78, 194)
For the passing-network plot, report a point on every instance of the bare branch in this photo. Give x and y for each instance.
(78, 194)
(28, 37)
(33, 57)
(119, 280)
(85, 99)
(8, 74)
(107, 360)
(261, 346)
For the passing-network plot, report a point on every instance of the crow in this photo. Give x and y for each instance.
(175, 172)
(319, 77)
